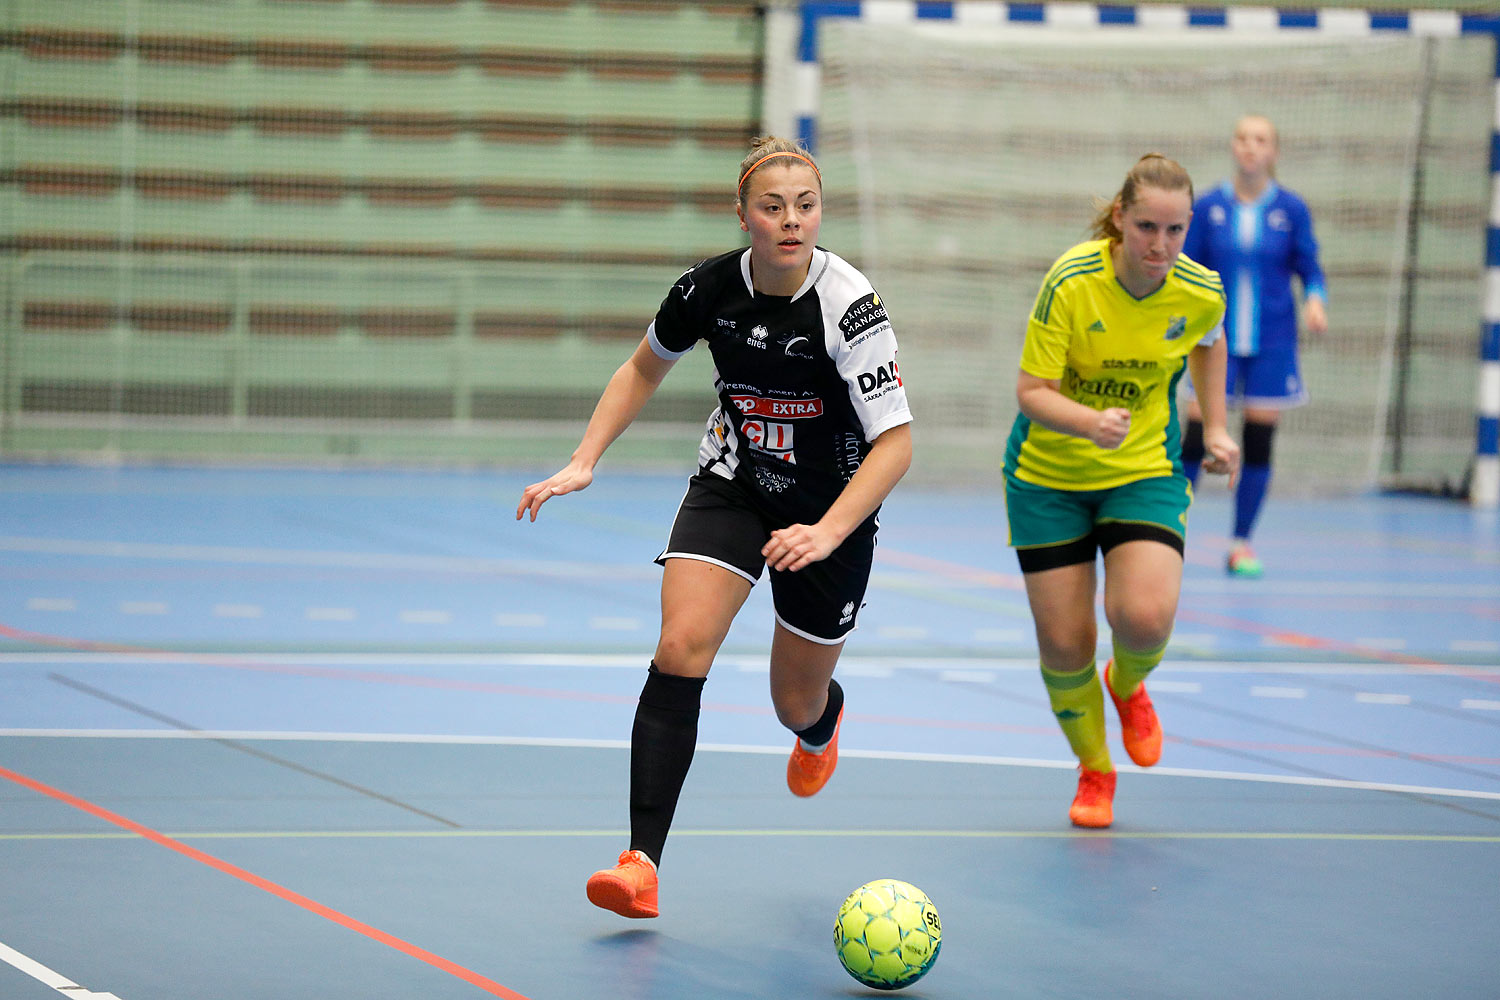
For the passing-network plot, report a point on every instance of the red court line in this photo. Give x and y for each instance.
(1301, 639)
(1287, 637)
(313, 906)
(953, 570)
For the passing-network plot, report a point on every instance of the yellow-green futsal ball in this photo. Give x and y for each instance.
(888, 934)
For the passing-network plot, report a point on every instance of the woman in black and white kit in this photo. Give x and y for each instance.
(811, 432)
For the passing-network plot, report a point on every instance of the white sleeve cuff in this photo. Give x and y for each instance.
(658, 349)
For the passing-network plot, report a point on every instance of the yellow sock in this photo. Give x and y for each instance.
(1131, 668)
(1078, 703)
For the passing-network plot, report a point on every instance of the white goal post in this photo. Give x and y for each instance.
(962, 144)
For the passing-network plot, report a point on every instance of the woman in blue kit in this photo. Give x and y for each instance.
(1257, 235)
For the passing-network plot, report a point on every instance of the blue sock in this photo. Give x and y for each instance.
(1254, 480)
(1255, 476)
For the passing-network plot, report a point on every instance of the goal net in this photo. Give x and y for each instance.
(963, 160)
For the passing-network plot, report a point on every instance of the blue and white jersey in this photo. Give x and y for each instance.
(1256, 249)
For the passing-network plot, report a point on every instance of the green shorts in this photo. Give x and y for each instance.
(1050, 528)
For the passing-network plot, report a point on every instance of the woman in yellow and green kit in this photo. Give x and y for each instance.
(1094, 461)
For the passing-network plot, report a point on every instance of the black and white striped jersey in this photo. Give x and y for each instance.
(805, 383)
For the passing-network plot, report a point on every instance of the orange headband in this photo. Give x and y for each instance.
(746, 175)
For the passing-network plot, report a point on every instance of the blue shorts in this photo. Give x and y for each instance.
(1270, 380)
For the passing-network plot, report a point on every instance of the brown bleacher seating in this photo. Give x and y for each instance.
(79, 317)
(108, 242)
(497, 324)
(296, 187)
(183, 184)
(53, 179)
(300, 319)
(406, 322)
(295, 320)
(386, 56)
(155, 317)
(300, 55)
(392, 122)
(736, 8)
(181, 49)
(180, 317)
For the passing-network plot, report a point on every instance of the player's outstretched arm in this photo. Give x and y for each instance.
(796, 545)
(627, 392)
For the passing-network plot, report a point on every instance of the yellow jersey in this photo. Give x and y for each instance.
(1106, 348)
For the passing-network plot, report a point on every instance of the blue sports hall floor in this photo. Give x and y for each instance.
(292, 734)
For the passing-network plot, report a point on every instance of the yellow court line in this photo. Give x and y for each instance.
(1430, 838)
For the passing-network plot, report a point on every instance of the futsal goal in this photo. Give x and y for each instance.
(960, 159)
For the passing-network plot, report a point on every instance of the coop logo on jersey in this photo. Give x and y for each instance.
(886, 378)
(770, 438)
(865, 314)
(757, 338)
(1176, 327)
(781, 409)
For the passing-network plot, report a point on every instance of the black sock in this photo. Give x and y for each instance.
(661, 751)
(821, 732)
(1192, 450)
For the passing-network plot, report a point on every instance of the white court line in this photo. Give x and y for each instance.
(51, 604)
(1277, 692)
(525, 620)
(1176, 687)
(313, 557)
(1379, 698)
(968, 676)
(592, 570)
(47, 977)
(779, 751)
(633, 661)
